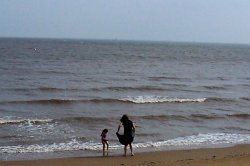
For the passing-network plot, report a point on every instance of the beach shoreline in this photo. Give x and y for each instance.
(236, 155)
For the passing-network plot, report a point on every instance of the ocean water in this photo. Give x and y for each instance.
(57, 96)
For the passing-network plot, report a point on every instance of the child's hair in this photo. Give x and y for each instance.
(105, 130)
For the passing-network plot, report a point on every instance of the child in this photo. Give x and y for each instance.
(104, 139)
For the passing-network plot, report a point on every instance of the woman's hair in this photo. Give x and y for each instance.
(124, 118)
(105, 130)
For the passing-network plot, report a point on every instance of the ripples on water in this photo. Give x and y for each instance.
(57, 95)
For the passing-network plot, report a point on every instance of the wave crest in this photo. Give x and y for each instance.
(21, 121)
(159, 99)
(200, 140)
(186, 141)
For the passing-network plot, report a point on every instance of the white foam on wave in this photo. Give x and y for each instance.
(18, 121)
(159, 99)
(200, 139)
(55, 147)
(187, 141)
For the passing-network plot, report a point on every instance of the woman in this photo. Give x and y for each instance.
(129, 133)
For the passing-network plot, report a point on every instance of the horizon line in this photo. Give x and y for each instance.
(125, 40)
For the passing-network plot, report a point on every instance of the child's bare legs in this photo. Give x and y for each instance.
(103, 147)
(107, 145)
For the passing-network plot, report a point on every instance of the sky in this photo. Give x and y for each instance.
(214, 21)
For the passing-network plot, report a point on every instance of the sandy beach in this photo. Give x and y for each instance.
(230, 156)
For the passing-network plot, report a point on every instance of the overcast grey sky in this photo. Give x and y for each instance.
(224, 21)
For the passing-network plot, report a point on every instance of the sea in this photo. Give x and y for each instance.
(57, 95)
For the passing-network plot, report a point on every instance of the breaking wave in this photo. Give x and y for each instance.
(159, 99)
(55, 147)
(24, 121)
(201, 139)
(184, 142)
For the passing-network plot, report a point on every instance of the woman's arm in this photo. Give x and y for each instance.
(133, 128)
(119, 127)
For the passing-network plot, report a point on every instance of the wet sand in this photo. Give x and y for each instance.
(230, 156)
